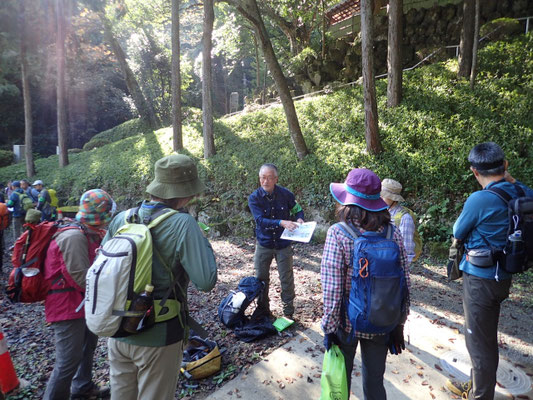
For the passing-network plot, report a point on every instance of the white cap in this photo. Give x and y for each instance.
(37, 182)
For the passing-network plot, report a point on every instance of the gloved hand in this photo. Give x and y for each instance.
(329, 339)
(396, 341)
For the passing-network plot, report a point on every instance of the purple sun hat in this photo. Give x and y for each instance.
(361, 188)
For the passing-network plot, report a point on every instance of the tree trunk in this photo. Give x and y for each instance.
(394, 53)
(144, 108)
(207, 80)
(250, 10)
(323, 30)
(467, 39)
(373, 144)
(28, 134)
(473, 71)
(62, 134)
(177, 136)
(257, 70)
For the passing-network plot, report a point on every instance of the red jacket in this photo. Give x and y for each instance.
(68, 258)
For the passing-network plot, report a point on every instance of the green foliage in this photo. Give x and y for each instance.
(438, 250)
(129, 128)
(302, 59)
(501, 28)
(219, 378)
(6, 158)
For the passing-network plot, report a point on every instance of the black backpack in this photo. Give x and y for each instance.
(517, 255)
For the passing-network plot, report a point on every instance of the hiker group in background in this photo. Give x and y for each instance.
(20, 197)
(129, 282)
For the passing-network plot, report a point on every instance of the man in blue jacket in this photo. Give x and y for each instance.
(482, 225)
(274, 209)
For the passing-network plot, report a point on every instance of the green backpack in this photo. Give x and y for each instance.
(25, 201)
(416, 237)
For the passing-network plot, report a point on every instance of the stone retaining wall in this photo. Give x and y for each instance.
(424, 31)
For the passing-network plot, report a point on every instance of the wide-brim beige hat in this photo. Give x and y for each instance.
(391, 189)
(176, 176)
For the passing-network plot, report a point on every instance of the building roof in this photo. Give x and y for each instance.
(343, 11)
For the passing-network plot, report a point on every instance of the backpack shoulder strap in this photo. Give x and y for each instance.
(346, 228)
(390, 232)
(160, 216)
(502, 194)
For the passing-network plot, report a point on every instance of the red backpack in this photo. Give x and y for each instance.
(26, 281)
(4, 216)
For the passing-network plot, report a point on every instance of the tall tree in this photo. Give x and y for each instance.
(28, 122)
(177, 136)
(250, 10)
(62, 134)
(373, 143)
(296, 19)
(207, 80)
(394, 53)
(323, 31)
(473, 71)
(467, 39)
(144, 108)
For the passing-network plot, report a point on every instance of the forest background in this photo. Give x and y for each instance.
(441, 116)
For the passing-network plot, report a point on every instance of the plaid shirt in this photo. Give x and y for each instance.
(336, 276)
(407, 229)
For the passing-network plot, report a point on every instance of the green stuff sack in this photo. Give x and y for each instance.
(333, 381)
(25, 202)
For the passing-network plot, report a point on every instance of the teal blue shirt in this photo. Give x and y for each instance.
(184, 248)
(485, 215)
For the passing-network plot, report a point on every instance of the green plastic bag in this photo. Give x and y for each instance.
(333, 381)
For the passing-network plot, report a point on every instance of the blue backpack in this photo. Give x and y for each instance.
(231, 309)
(377, 302)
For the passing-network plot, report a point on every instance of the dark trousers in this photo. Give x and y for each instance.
(1, 250)
(373, 357)
(262, 259)
(481, 303)
(75, 345)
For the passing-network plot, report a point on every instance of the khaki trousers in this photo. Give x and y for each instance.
(141, 372)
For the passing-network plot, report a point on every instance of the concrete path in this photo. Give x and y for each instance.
(435, 353)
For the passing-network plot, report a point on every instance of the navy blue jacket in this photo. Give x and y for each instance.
(14, 201)
(268, 211)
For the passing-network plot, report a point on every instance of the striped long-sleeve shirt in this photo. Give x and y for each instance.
(336, 272)
(407, 229)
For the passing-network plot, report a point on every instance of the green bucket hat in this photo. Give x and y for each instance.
(175, 177)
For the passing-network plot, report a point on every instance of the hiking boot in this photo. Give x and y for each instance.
(95, 392)
(288, 310)
(261, 312)
(460, 388)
